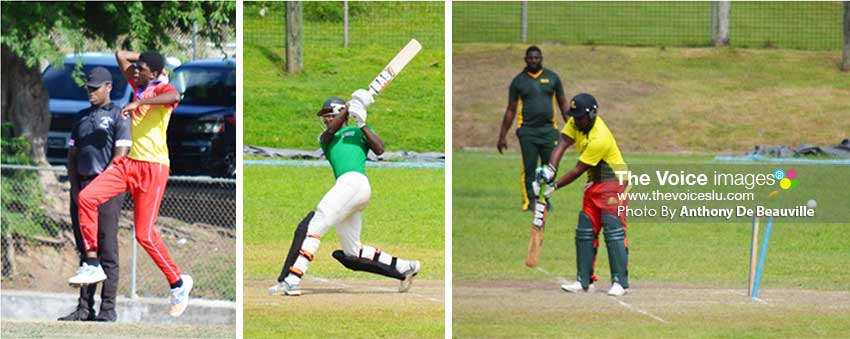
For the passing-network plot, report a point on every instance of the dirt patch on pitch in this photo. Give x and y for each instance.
(338, 293)
(651, 302)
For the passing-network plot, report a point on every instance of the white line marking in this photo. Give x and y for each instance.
(344, 285)
(626, 305)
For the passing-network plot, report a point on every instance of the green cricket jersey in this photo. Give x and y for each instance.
(536, 96)
(347, 150)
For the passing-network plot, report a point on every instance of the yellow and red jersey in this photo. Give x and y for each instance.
(149, 125)
(597, 148)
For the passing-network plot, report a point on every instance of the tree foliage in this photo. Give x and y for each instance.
(39, 30)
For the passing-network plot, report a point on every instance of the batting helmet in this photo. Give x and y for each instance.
(333, 105)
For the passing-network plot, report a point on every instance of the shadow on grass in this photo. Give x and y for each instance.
(272, 56)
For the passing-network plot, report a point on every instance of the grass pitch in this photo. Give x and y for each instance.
(692, 276)
(405, 217)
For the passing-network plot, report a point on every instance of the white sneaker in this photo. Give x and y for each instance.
(617, 290)
(284, 288)
(180, 296)
(88, 274)
(575, 287)
(408, 276)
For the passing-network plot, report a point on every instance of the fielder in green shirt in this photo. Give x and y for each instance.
(535, 94)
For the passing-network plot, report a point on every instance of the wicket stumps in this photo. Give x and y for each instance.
(753, 255)
(755, 277)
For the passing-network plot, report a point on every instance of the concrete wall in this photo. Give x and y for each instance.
(28, 305)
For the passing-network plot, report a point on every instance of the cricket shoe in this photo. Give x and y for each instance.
(80, 314)
(409, 275)
(180, 296)
(284, 288)
(617, 290)
(575, 287)
(87, 274)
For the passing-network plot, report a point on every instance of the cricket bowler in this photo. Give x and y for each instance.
(600, 157)
(346, 148)
(144, 172)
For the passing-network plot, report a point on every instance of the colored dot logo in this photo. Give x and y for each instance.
(787, 179)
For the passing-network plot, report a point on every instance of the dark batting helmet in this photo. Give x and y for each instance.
(333, 105)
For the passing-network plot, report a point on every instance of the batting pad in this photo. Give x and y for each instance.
(367, 264)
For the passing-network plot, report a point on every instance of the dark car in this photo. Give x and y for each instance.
(202, 131)
(67, 97)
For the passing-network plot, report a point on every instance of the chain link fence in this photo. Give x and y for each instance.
(794, 25)
(197, 221)
(369, 23)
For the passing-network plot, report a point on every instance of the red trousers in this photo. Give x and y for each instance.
(146, 182)
(602, 197)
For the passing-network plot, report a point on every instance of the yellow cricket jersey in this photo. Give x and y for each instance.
(150, 125)
(597, 148)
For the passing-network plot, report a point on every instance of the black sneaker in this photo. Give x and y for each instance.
(80, 314)
(106, 316)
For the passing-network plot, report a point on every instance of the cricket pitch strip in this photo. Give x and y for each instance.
(646, 311)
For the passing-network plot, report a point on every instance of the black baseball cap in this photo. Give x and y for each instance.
(330, 105)
(582, 104)
(98, 76)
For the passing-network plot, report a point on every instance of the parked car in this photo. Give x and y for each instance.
(202, 132)
(67, 98)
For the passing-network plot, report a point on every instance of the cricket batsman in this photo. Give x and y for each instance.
(345, 147)
(600, 157)
(144, 172)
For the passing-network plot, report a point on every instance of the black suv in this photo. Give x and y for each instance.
(202, 131)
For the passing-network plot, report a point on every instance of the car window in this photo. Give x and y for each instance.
(206, 86)
(60, 84)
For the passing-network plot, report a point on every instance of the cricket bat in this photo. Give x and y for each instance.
(535, 244)
(394, 67)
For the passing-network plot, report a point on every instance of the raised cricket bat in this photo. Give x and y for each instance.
(395, 66)
(535, 244)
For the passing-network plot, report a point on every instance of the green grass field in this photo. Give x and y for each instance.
(405, 217)
(41, 329)
(280, 109)
(693, 275)
(798, 25)
(667, 100)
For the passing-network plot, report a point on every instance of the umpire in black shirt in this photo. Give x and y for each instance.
(99, 134)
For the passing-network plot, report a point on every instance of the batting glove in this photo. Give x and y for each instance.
(363, 96)
(547, 191)
(545, 174)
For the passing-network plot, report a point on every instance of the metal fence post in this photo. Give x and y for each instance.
(345, 24)
(524, 21)
(845, 65)
(133, 275)
(194, 39)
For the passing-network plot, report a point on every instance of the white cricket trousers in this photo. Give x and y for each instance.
(342, 207)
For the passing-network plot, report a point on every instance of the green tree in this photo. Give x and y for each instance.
(34, 31)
